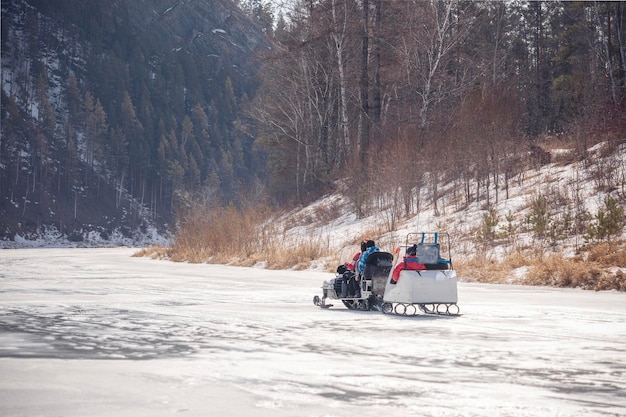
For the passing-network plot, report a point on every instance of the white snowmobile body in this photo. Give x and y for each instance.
(423, 287)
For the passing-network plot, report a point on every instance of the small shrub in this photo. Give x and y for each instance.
(609, 221)
(615, 281)
(559, 227)
(510, 230)
(487, 233)
(539, 217)
(324, 214)
(607, 255)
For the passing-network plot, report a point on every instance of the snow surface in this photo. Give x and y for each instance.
(96, 332)
(50, 237)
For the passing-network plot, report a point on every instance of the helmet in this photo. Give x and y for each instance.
(411, 250)
(370, 243)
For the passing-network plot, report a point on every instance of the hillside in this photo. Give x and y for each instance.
(562, 224)
(566, 186)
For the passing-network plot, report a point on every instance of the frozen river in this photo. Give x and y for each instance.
(96, 332)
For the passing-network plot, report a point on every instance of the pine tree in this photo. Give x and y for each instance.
(609, 221)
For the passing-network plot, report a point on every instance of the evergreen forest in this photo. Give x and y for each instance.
(115, 112)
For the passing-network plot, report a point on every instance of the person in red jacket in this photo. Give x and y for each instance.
(409, 263)
(352, 264)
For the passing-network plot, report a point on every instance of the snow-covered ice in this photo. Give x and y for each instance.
(96, 332)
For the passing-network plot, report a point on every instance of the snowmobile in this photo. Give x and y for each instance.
(364, 292)
(432, 290)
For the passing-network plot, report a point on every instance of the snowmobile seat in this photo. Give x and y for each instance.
(377, 268)
(380, 259)
(443, 265)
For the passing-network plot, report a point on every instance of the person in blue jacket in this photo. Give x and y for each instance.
(370, 247)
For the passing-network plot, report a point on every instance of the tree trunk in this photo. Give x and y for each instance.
(364, 86)
(607, 51)
(377, 106)
(339, 38)
(435, 58)
(619, 29)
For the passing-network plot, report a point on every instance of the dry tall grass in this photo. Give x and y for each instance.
(230, 235)
(218, 234)
(245, 237)
(600, 268)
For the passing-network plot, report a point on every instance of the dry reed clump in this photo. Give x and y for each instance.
(486, 269)
(481, 269)
(240, 237)
(554, 271)
(557, 271)
(297, 257)
(608, 255)
(153, 252)
(217, 234)
(599, 270)
(518, 259)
